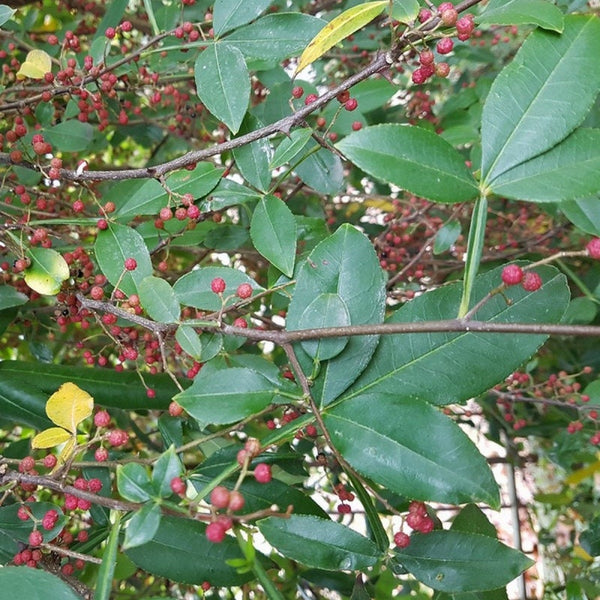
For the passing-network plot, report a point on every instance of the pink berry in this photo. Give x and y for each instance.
(512, 274)
(593, 248)
(424, 15)
(219, 497)
(217, 285)
(101, 455)
(241, 323)
(23, 513)
(175, 409)
(215, 532)
(94, 485)
(178, 486)
(262, 473)
(244, 291)
(444, 46)
(130, 264)
(35, 538)
(118, 437)
(418, 77)
(356, 126)
(310, 99)
(426, 57)
(401, 539)
(298, 91)
(102, 419)
(531, 281)
(465, 26)
(49, 461)
(426, 525)
(449, 16)
(26, 464)
(445, 6)
(110, 33)
(236, 501)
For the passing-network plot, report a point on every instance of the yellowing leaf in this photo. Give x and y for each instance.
(47, 271)
(37, 64)
(69, 406)
(578, 476)
(579, 551)
(342, 26)
(67, 451)
(50, 437)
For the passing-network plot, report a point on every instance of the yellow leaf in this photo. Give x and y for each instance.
(67, 451)
(579, 551)
(50, 437)
(37, 64)
(578, 476)
(69, 406)
(342, 26)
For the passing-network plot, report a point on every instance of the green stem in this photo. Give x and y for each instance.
(474, 251)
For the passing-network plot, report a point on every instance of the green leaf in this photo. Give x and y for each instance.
(158, 300)
(321, 170)
(522, 12)
(275, 37)
(229, 193)
(34, 584)
(344, 264)
(338, 28)
(193, 289)
(165, 469)
(412, 158)
(326, 310)
(290, 147)
(590, 538)
(584, 213)
(133, 482)
(223, 83)
(10, 297)
(253, 159)
(433, 460)
(446, 236)
(568, 171)
(215, 399)
(229, 14)
(464, 364)
(142, 526)
(541, 97)
(116, 244)
(189, 340)
(109, 561)
(373, 93)
(150, 197)
(70, 136)
(454, 561)
(47, 271)
(273, 232)
(471, 519)
(180, 551)
(6, 13)
(321, 543)
(405, 11)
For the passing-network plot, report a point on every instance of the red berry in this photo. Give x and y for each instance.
(531, 281)
(442, 69)
(241, 323)
(298, 92)
(217, 285)
(215, 532)
(110, 33)
(310, 99)
(94, 485)
(424, 15)
(512, 274)
(593, 248)
(118, 437)
(356, 126)
(102, 224)
(445, 6)
(26, 464)
(401, 539)
(465, 26)
(262, 473)
(130, 264)
(35, 538)
(444, 46)
(426, 525)
(220, 497)
(351, 104)
(236, 501)
(418, 77)
(244, 291)
(23, 513)
(178, 486)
